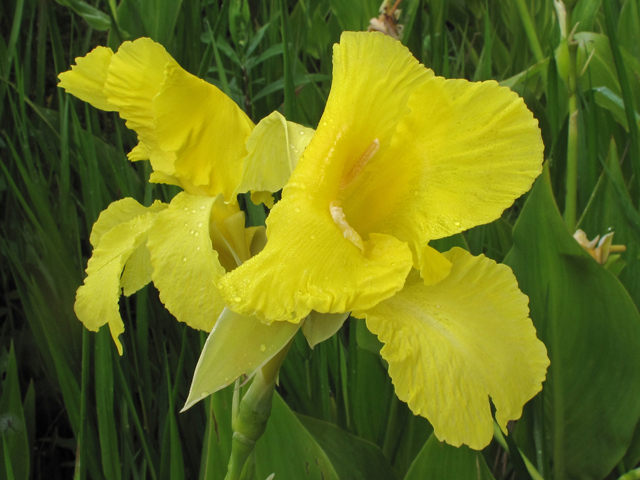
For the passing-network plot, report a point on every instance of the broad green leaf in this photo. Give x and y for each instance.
(237, 345)
(590, 327)
(289, 450)
(439, 461)
(351, 457)
(13, 430)
(628, 31)
(605, 213)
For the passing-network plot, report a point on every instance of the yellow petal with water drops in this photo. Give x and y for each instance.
(87, 77)
(118, 212)
(462, 156)
(453, 345)
(97, 300)
(320, 271)
(236, 346)
(204, 129)
(318, 327)
(434, 266)
(274, 148)
(185, 266)
(316, 260)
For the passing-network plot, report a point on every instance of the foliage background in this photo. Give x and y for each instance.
(70, 406)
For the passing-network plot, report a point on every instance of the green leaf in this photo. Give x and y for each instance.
(94, 17)
(590, 326)
(289, 450)
(13, 431)
(237, 345)
(439, 461)
(351, 456)
(354, 15)
(107, 430)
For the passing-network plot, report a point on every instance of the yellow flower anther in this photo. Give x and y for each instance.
(368, 154)
(340, 220)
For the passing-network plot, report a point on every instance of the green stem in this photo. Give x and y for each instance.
(253, 414)
(81, 465)
(570, 206)
(530, 30)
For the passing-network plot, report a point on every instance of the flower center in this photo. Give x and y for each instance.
(360, 164)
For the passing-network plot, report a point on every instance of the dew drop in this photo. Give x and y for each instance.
(197, 233)
(192, 232)
(457, 224)
(186, 209)
(313, 237)
(324, 124)
(198, 248)
(201, 207)
(184, 259)
(293, 147)
(297, 210)
(204, 394)
(301, 133)
(237, 299)
(263, 348)
(193, 211)
(199, 224)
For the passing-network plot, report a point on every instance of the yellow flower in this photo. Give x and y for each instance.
(402, 157)
(195, 137)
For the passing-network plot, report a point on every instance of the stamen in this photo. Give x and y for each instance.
(347, 231)
(360, 164)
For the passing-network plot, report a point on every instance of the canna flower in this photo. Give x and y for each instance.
(197, 138)
(402, 157)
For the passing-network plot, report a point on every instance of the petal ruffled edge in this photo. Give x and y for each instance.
(452, 345)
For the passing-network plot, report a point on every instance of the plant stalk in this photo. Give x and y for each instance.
(571, 199)
(253, 414)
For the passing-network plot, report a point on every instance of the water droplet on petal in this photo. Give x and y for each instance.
(184, 259)
(197, 233)
(201, 207)
(193, 211)
(301, 133)
(263, 348)
(324, 124)
(199, 224)
(204, 394)
(313, 237)
(457, 224)
(198, 248)
(192, 232)
(186, 209)
(297, 210)
(237, 299)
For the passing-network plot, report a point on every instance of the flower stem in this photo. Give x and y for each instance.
(570, 205)
(253, 413)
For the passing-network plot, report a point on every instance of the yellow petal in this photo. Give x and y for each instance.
(137, 271)
(262, 197)
(192, 133)
(118, 212)
(434, 267)
(462, 156)
(237, 345)
(274, 148)
(452, 345)
(315, 259)
(97, 300)
(185, 266)
(204, 129)
(86, 79)
(318, 327)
